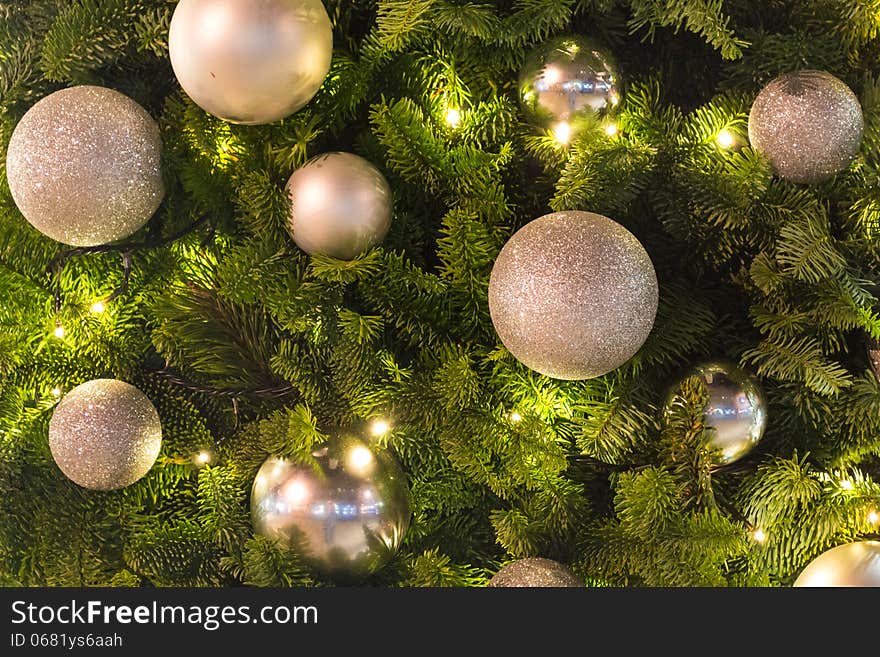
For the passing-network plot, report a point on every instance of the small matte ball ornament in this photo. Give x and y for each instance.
(347, 514)
(535, 572)
(568, 78)
(808, 124)
(250, 61)
(736, 412)
(340, 205)
(573, 295)
(853, 564)
(84, 166)
(105, 434)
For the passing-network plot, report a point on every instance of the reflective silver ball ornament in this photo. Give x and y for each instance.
(736, 412)
(853, 564)
(340, 205)
(105, 434)
(573, 295)
(348, 511)
(84, 166)
(808, 124)
(250, 61)
(568, 78)
(535, 572)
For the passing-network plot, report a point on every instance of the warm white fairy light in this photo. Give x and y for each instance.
(873, 517)
(611, 129)
(846, 484)
(98, 307)
(380, 427)
(203, 457)
(562, 132)
(59, 331)
(56, 391)
(758, 535)
(515, 417)
(453, 117)
(725, 139)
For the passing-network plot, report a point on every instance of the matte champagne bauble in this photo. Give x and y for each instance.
(853, 564)
(573, 295)
(105, 434)
(250, 61)
(340, 205)
(347, 512)
(84, 166)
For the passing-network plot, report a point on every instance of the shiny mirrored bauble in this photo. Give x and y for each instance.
(736, 411)
(567, 78)
(853, 564)
(250, 61)
(346, 513)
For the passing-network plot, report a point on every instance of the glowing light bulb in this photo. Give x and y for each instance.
(203, 457)
(562, 132)
(846, 484)
(359, 458)
(758, 535)
(873, 517)
(725, 139)
(59, 331)
(515, 417)
(380, 427)
(56, 391)
(614, 99)
(98, 307)
(453, 117)
(611, 129)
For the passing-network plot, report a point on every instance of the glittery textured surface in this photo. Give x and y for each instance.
(535, 572)
(340, 205)
(347, 516)
(736, 412)
(84, 166)
(566, 78)
(573, 295)
(853, 564)
(808, 124)
(250, 61)
(105, 434)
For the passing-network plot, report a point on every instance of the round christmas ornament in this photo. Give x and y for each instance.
(736, 411)
(250, 61)
(348, 512)
(340, 205)
(573, 295)
(853, 564)
(808, 124)
(105, 434)
(568, 78)
(84, 166)
(534, 572)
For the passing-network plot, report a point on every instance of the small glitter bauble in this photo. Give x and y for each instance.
(84, 166)
(347, 512)
(105, 434)
(735, 413)
(340, 205)
(568, 78)
(853, 564)
(808, 124)
(573, 295)
(250, 61)
(535, 572)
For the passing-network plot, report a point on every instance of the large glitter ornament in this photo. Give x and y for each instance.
(105, 434)
(535, 572)
(735, 413)
(573, 295)
(853, 564)
(84, 166)
(347, 512)
(808, 124)
(566, 79)
(250, 61)
(340, 205)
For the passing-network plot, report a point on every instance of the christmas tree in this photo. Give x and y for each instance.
(256, 348)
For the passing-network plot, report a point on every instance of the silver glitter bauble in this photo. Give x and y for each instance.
(105, 434)
(84, 166)
(535, 572)
(573, 295)
(853, 564)
(250, 61)
(347, 512)
(567, 78)
(808, 124)
(340, 205)
(736, 412)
